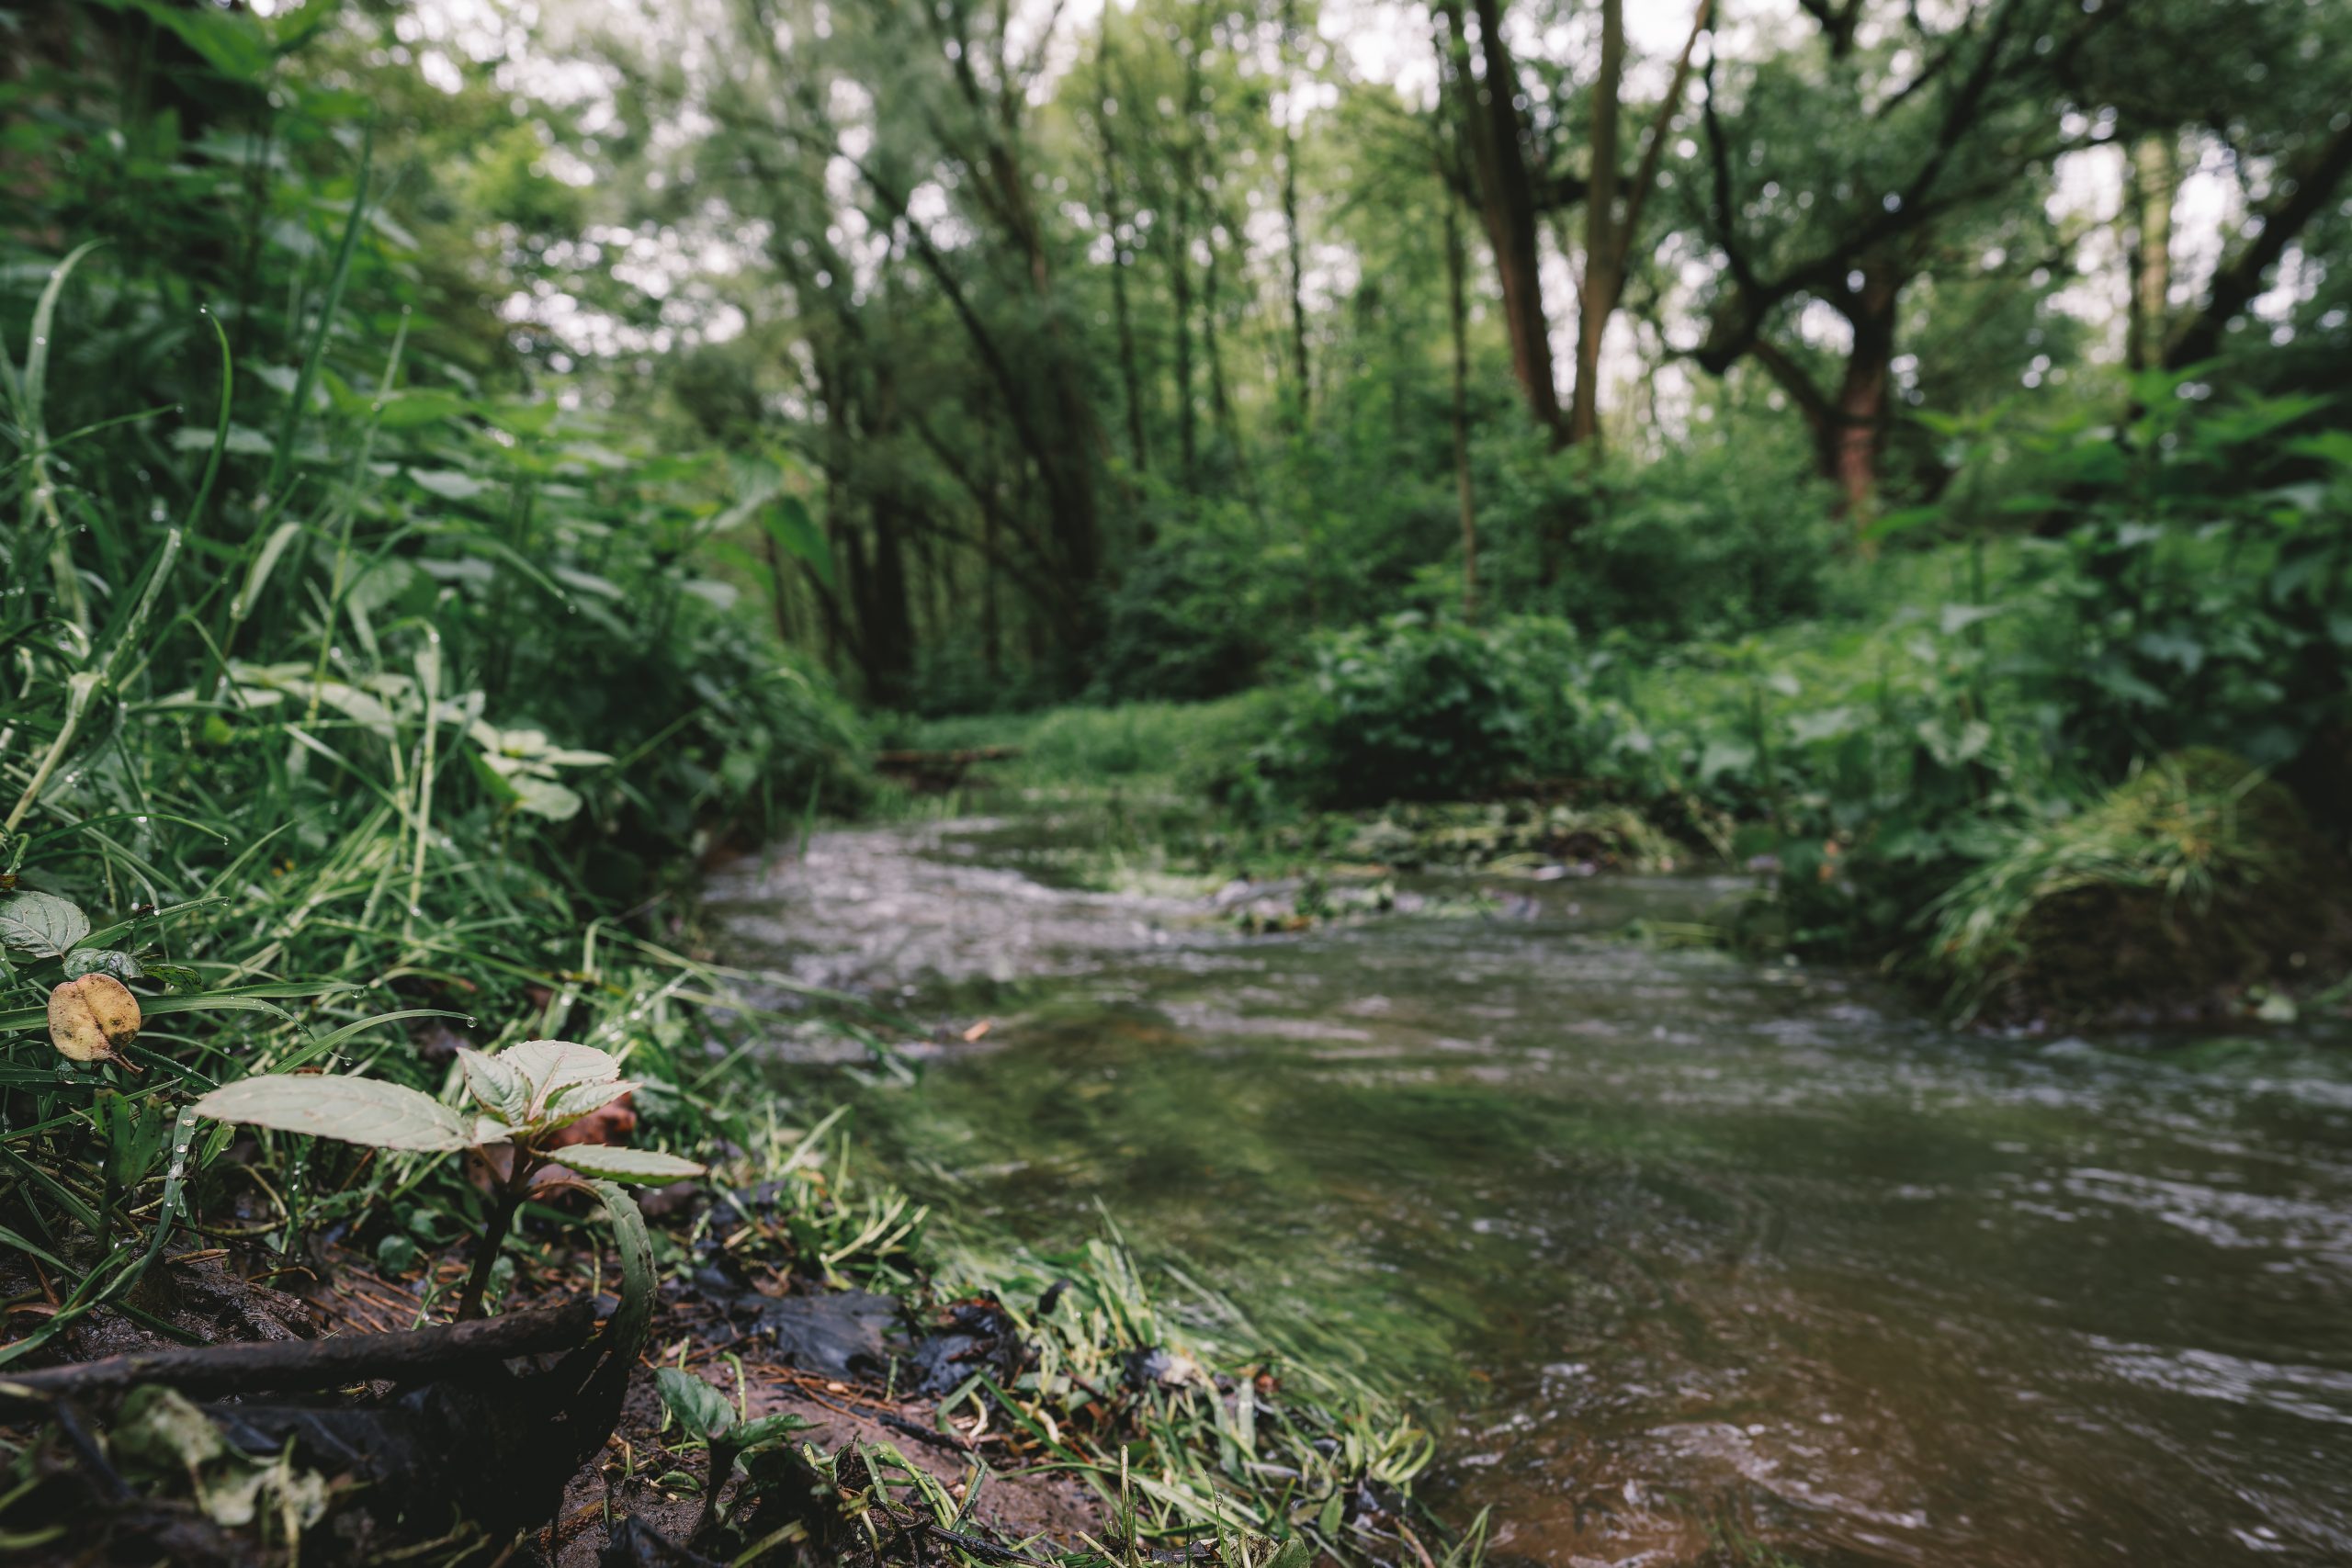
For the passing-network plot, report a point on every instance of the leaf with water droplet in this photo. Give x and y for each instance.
(178, 977)
(41, 923)
(102, 960)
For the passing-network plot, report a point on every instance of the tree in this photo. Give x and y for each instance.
(1481, 89)
(1833, 169)
(1610, 234)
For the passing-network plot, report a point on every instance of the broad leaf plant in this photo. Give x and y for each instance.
(516, 1102)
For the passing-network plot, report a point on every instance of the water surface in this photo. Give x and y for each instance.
(1701, 1260)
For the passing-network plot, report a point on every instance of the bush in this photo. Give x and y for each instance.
(2183, 885)
(2189, 585)
(1186, 625)
(1412, 710)
(1702, 543)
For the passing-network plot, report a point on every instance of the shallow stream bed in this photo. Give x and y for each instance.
(1698, 1261)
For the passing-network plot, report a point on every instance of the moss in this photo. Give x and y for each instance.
(2191, 882)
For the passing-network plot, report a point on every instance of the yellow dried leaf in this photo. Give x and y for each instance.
(92, 1019)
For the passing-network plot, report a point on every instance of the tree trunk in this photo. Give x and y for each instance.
(1864, 400)
(991, 628)
(1849, 428)
(1067, 460)
(1605, 251)
(1129, 380)
(890, 629)
(1220, 402)
(1289, 228)
(2148, 196)
(1179, 278)
(779, 604)
(1609, 237)
(1507, 208)
(1457, 317)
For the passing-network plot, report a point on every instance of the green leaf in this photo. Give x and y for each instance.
(1725, 754)
(496, 1085)
(233, 44)
(102, 960)
(2167, 647)
(589, 583)
(521, 419)
(701, 1409)
(545, 797)
(569, 1105)
(242, 440)
(450, 484)
(257, 578)
(1826, 724)
(1901, 520)
(356, 1110)
(1950, 748)
(41, 923)
(550, 1067)
(1957, 618)
(797, 535)
(417, 408)
(768, 1430)
(626, 1165)
(626, 1330)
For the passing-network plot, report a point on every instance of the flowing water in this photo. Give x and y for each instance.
(1701, 1260)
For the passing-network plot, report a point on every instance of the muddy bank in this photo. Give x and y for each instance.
(97, 1471)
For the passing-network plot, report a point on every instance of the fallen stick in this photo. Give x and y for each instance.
(922, 1434)
(313, 1364)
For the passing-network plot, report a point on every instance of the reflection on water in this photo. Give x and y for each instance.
(1710, 1260)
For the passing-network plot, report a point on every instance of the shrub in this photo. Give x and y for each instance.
(2196, 878)
(1412, 710)
(1702, 543)
(1185, 625)
(1706, 540)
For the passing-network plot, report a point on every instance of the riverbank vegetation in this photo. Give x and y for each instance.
(464, 470)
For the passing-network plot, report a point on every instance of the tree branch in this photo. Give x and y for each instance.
(314, 1364)
(2239, 280)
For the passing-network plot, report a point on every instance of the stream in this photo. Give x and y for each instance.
(1693, 1260)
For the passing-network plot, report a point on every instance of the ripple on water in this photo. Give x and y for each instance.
(1702, 1259)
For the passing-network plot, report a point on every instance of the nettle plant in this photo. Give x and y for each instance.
(518, 1101)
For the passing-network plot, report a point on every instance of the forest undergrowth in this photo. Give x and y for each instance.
(360, 740)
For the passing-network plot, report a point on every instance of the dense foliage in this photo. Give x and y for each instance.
(463, 468)
(347, 684)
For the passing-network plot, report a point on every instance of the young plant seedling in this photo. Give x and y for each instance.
(710, 1417)
(521, 1098)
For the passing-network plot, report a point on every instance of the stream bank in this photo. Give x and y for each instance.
(1700, 1259)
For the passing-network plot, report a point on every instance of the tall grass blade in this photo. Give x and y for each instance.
(298, 407)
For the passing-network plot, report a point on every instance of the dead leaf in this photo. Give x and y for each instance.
(92, 1019)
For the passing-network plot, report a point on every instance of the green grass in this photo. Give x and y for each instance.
(1170, 746)
(315, 818)
(2196, 878)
